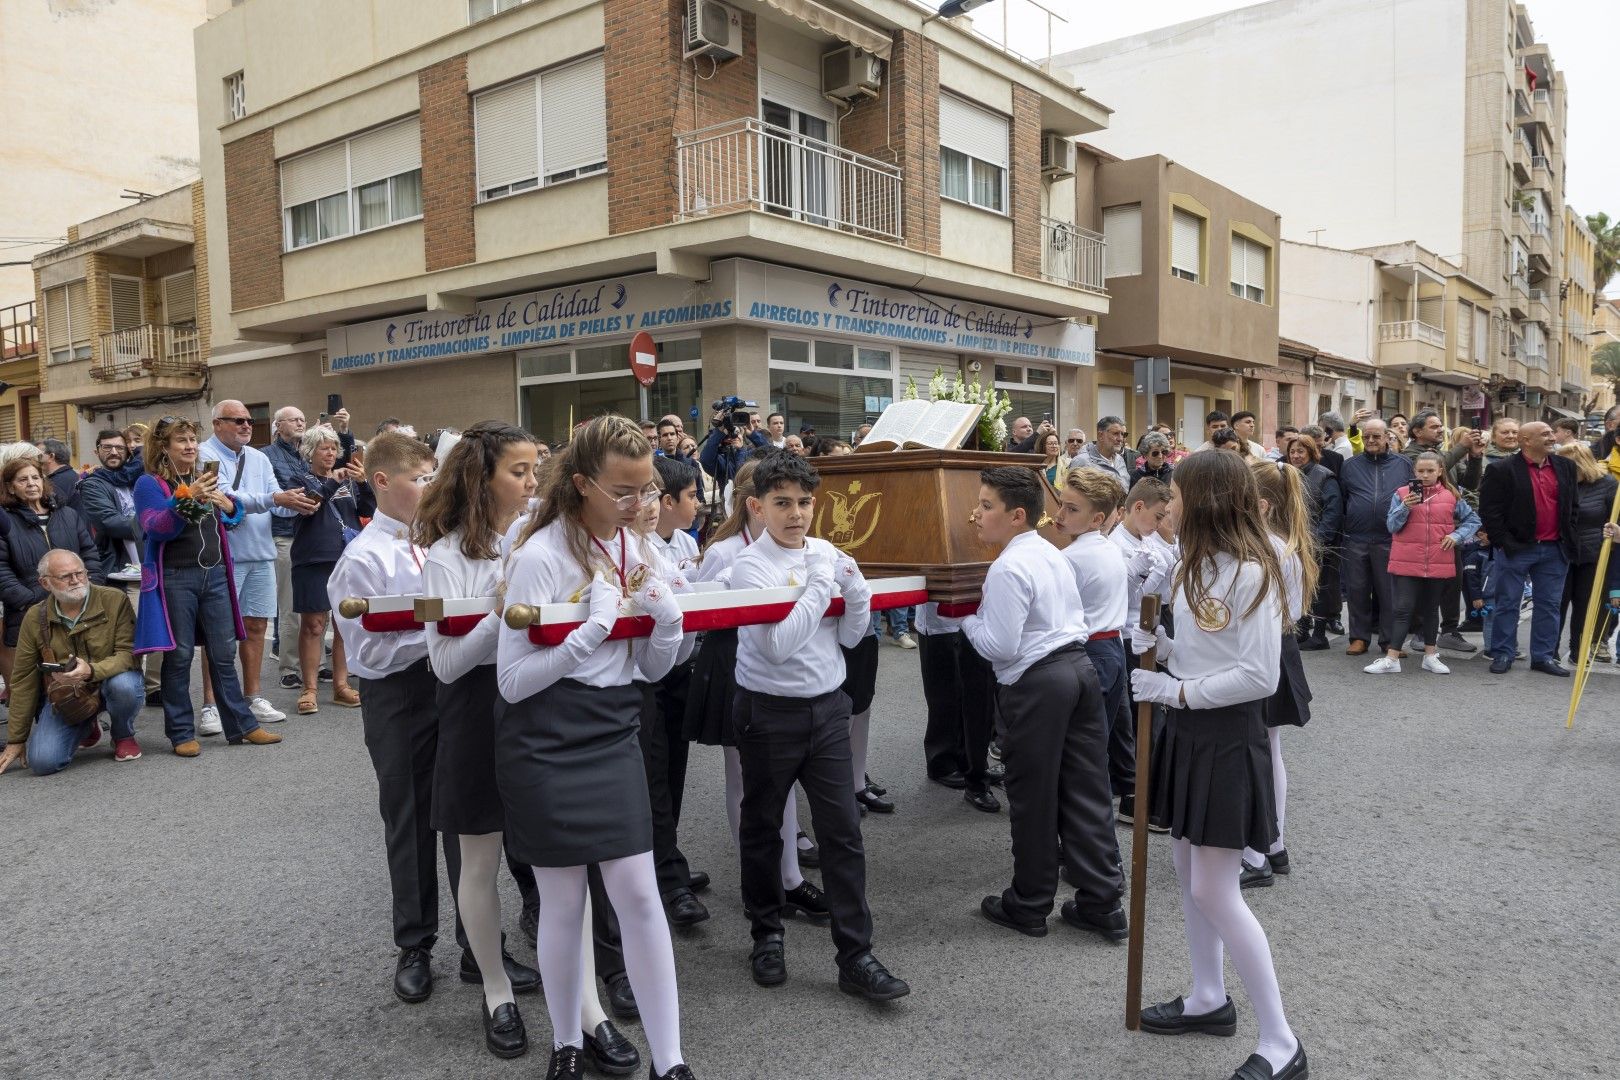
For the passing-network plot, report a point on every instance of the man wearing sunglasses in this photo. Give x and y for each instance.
(248, 474)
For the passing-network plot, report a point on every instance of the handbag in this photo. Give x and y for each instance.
(76, 703)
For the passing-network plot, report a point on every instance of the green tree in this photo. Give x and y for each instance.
(1608, 249)
(1606, 365)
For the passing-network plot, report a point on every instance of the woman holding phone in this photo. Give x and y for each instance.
(318, 540)
(1427, 520)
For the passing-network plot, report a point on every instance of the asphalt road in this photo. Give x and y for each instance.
(1451, 913)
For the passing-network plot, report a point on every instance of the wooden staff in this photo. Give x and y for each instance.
(1583, 663)
(1139, 830)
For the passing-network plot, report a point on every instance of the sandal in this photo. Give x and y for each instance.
(307, 703)
(346, 696)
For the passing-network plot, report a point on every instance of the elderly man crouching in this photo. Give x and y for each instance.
(90, 629)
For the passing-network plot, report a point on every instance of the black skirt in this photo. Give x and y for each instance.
(309, 588)
(568, 766)
(466, 801)
(860, 674)
(1291, 703)
(713, 687)
(1212, 777)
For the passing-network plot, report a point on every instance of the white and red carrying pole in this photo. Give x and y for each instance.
(396, 614)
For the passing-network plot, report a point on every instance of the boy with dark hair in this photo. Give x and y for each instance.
(1031, 627)
(792, 723)
(1146, 557)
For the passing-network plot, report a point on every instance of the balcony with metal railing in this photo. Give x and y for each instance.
(19, 336)
(1540, 173)
(1541, 107)
(1411, 345)
(149, 349)
(746, 164)
(1072, 256)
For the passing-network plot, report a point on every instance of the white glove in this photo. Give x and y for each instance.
(1156, 687)
(679, 583)
(819, 574)
(657, 599)
(847, 576)
(605, 597)
(1141, 564)
(1158, 640)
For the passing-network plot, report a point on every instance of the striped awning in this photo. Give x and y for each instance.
(840, 26)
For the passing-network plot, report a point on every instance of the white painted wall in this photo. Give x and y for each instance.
(98, 96)
(1344, 115)
(1327, 300)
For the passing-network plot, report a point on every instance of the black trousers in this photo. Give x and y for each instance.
(1451, 596)
(1107, 656)
(781, 740)
(1417, 608)
(1572, 613)
(1369, 590)
(959, 686)
(1329, 598)
(656, 757)
(1054, 744)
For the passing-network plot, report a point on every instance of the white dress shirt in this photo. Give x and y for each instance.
(1293, 573)
(1099, 575)
(680, 551)
(1128, 546)
(1030, 607)
(718, 560)
(930, 621)
(381, 561)
(798, 657)
(544, 571)
(450, 575)
(1228, 657)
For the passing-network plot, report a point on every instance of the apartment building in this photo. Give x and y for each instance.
(1438, 121)
(1577, 324)
(456, 209)
(125, 319)
(1192, 273)
(1605, 328)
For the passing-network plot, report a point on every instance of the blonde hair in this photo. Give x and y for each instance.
(1587, 469)
(585, 455)
(392, 453)
(156, 445)
(1220, 515)
(1288, 516)
(1098, 488)
(314, 437)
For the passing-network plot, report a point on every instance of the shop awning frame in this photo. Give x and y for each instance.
(839, 25)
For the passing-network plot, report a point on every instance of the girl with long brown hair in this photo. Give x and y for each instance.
(567, 758)
(1212, 780)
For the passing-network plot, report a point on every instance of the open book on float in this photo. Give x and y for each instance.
(922, 425)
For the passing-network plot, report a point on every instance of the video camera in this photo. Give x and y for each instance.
(732, 413)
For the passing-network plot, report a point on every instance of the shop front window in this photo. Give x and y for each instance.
(559, 389)
(1033, 391)
(550, 410)
(832, 386)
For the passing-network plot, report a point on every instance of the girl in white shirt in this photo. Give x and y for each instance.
(567, 759)
(1282, 501)
(1212, 779)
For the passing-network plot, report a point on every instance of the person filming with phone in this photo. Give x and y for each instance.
(75, 660)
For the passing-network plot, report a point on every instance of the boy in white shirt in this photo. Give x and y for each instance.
(1032, 628)
(792, 724)
(1147, 561)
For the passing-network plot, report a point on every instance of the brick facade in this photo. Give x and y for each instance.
(1024, 182)
(253, 214)
(901, 126)
(199, 255)
(449, 165)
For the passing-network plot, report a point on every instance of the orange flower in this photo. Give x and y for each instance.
(182, 492)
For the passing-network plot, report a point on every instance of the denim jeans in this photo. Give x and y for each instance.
(199, 603)
(52, 742)
(1545, 567)
(899, 622)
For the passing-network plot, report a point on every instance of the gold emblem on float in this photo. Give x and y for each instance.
(1212, 615)
(853, 516)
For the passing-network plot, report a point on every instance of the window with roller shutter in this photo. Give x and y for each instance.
(368, 181)
(974, 153)
(8, 423)
(1186, 245)
(67, 322)
(541, 130)
(180, 299)
(124, 294)
(1122, 235)
(1248, 269)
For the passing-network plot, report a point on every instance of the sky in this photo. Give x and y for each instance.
(1580, 33)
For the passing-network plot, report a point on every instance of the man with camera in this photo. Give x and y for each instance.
(732, 438)
(75, 659)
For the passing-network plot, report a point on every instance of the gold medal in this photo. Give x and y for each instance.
(1212, 615)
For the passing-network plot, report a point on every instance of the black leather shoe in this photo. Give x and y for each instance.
(870, 979)
(874, 803)
(610, 1052)
(685, 909)
(996, 775)
(876, 789)
(767, 962)
(1550, 667)
(1109, 924)
(1279, 862)
(621, 999)
(413, 976)
(529, 923)
(982, 799)
(1316, 641)
(991, 908)
(1335, 627)
(809, 901)
(1500, 665)
(1258, 1068)
(952, 779)
(1170, 1018)
(1257, 877)
(567, 1063)
(503, 1032)
(676, 1072)
(809, 856)
(698, 880)
(524, 980)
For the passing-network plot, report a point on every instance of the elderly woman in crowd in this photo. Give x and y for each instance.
(318, 540)
(1153, 458)
(1594, 495)
(186, 590)
(1326, 500)
(33, 524)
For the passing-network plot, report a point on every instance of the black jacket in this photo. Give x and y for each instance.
(65, 483)
(1507, 504)
(1332, 460)
(1161, 474)
(23, 543)
(1592, 503)
(1327, 504)
(99, 506)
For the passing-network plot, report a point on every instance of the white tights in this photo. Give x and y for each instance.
(1217, 919)
(649, 958)
(1279, 783)
(478, 902)
(792, 878)
(860, 732)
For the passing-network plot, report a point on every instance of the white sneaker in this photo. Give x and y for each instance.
(264, 712)
(1383, 666)
(1432, 663)
(208, 721)
(906, 641)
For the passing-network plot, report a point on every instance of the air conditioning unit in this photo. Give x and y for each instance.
(1057, 156)
(712, 29)
(848, 73)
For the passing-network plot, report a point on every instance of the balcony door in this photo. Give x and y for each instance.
(798, 165)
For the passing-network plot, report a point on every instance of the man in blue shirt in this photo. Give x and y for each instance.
(1369, 481)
